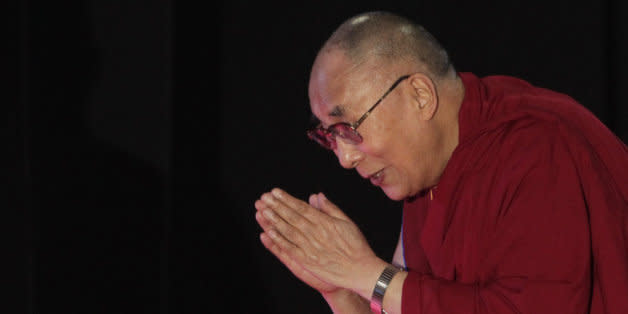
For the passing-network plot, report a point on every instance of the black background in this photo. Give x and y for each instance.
(144, 131)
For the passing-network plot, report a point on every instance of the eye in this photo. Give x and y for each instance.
(342, 132)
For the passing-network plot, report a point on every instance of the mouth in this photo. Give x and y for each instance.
(377, 178)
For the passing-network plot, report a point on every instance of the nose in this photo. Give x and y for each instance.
(348, 155)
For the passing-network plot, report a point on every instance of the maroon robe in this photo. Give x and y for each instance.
(530, 214)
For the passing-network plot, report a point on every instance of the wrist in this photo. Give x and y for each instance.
(345, 301)
(371, 273)
(335, 294)
(381, 287)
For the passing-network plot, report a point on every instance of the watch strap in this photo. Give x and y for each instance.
(380, 289)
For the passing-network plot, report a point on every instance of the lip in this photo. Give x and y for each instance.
(367, 177)
(377, 178)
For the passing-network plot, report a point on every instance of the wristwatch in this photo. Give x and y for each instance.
(380, 289)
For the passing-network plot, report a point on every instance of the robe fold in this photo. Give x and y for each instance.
(530, 214)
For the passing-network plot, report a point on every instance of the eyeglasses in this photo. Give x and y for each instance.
(326, 137)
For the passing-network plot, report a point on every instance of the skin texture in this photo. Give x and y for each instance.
(490, 262)
(408, 138)
(402, 136)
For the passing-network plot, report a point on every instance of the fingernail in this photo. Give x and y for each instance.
(276, 192)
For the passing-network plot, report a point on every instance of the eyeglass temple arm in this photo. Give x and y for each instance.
(357, 123)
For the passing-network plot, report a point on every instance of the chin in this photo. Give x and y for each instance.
(394, 194)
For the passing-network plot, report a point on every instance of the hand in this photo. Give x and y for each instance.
(296, 269)
(317, 242)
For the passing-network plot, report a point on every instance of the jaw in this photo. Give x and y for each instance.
(395, 188)
(394, 193)
(403, 185)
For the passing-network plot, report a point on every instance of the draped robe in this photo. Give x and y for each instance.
(530, 214)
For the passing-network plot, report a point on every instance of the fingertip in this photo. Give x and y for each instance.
(313, 200)
(266, 197)
(266, 240)
(259, 205)
(277, 192)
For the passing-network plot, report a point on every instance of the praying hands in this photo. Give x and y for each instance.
(318, 243)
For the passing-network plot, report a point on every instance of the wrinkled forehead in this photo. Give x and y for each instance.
(336, 87)
(329, 99)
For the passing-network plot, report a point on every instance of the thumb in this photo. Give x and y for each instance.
(314, 202)
(330, 208)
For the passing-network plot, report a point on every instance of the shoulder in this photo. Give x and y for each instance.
(521, 95)
(516, 143)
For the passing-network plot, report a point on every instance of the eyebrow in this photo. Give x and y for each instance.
(338, 111)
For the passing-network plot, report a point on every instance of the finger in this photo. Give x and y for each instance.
(260, 205)
(298, 205)
(270, 245)
(287, 212)
(295, 267)
(330, 208)
(276, 250)
(285, 259)
(265, 224)
(283, 245)
(285, 230)
(313, 201)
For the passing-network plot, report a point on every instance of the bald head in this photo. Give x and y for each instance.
(384, 37)
(411, 136)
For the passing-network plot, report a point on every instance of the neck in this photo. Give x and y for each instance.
(451, 94)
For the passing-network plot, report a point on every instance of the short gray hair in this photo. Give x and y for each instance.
(390, 37)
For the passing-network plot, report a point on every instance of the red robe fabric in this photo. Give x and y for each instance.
(530, 214)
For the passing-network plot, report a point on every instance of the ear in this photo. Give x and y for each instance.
(425, 96)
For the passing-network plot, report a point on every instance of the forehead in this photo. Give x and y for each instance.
(336, 87)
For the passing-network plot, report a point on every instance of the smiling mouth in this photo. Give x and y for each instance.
(376, 174)
(377, 178)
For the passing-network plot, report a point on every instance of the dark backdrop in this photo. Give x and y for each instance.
(144, 131)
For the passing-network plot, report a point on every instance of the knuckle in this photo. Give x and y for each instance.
(293, 235)
(302, 224)
(312, 257)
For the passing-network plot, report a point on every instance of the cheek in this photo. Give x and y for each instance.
(397, 185)
(379, 141)
(373, 146)
(411, 164)
(388, 150)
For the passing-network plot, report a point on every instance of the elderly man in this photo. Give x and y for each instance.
(515, 197)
